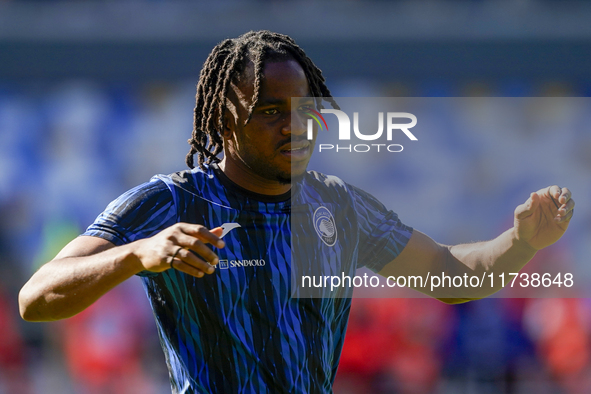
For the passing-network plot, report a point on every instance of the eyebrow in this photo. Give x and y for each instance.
(275, 101)
(270, 101)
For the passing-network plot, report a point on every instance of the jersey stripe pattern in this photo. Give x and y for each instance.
(249, 328)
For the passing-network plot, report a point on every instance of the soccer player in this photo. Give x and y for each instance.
(235, 328)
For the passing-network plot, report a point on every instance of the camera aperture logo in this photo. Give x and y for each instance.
(392, 124)
(314, 115)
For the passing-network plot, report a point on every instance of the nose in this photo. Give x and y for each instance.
(294, 123)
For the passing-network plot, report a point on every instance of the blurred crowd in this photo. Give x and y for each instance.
(68, 148)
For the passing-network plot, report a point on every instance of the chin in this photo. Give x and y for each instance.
(286, 179)
(293, 176)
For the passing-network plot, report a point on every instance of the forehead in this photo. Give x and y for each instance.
(280, 80)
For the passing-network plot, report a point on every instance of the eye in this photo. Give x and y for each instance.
(306, 108)
(271, 111)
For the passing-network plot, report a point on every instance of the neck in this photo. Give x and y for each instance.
(248, 180)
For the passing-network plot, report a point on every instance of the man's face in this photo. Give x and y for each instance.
(273, 145)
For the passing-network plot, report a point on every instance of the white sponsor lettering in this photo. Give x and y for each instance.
(246, 263)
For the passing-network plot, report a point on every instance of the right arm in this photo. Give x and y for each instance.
(88, 267)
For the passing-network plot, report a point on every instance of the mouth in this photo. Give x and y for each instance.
(296, 150)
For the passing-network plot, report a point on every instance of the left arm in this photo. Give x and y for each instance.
(539, 222)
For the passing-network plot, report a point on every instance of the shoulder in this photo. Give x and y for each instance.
(189, 180)
(324, 188)
(160, 190)
(333, 185)
(185, 186)
(325, 183)
(137, 213)
(147, 194)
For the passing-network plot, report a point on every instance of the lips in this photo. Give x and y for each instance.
(296, 149)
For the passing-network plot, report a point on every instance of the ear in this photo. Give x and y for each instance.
(229, 125)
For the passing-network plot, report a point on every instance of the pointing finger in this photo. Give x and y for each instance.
(197, 246)
(205, 235)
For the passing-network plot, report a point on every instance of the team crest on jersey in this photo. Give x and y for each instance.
(325, 226)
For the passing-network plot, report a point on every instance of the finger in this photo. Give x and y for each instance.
(554, 191)
(180, 265)
(198, 247)
(528, 207)
(217, 231)
(189, 258)
(566, 208)
(175, 254)
(565, 218)
(205, 235)
(566, 211)
(565, 195)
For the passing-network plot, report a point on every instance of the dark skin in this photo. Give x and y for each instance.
(260, 156)
(88, 267)
(538, 222)
(273, 145)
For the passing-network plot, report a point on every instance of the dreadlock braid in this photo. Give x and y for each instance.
(224, 65)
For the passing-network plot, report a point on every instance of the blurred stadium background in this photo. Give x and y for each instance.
(97, 96)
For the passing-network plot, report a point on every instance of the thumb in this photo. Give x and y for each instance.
(528, 207)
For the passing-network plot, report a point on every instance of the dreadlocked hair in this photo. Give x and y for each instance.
(224, 65)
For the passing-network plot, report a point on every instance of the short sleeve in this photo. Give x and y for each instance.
(382, 236)
(139, 213)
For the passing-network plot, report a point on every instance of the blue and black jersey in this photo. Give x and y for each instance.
(248, 327)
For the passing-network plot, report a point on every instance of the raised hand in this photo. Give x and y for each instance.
(544, 217)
